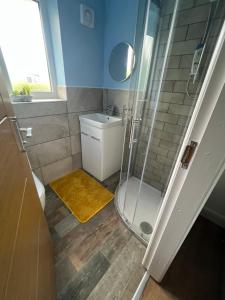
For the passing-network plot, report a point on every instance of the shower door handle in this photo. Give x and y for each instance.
(131, 131)
(137, 121)
(132, 126)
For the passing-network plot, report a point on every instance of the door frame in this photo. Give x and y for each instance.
(189, 189)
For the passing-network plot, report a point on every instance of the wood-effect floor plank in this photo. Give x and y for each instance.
(67, 245)
(93, 242)
(82, 285)
(116, 279)
(85, 253)
(116, 242)
(65, 271)
(67, 224)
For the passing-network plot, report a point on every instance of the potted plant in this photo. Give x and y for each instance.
(22, 94)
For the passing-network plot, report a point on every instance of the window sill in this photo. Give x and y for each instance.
(46, 100)
(39, 101)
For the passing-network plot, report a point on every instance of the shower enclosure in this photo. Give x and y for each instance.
(177, 40)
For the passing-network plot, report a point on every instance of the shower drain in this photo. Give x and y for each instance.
(146, 227)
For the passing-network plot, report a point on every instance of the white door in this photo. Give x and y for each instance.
(189, 188)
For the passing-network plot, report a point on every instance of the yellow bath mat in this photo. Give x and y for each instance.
(82, 194)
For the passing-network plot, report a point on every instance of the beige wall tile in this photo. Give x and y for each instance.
(194, 15)
(57, 169)
(39, 108)
(84, 99)
(46, 153)
(116, 97)
(75, 144)
(77, 161)
(46, 128)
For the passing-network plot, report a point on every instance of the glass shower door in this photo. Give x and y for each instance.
(172, 94)
(149, 197)
(130, 181)
(132, 127)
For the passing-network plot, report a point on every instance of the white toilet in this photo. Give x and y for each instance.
(40, 189)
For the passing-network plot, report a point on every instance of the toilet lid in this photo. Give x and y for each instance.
(39, 186)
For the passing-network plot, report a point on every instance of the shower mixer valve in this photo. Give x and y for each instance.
(137, 121)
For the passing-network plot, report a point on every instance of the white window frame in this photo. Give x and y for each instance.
(49, 53)
(49, 56)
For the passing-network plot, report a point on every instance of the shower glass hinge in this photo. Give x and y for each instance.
(188, 154)
(136, 121)
(134, 141)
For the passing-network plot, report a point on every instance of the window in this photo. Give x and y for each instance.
(23, 46)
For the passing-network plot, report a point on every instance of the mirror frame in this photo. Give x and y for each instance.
(133, 66)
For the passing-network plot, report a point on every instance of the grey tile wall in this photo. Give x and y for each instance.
(84, 99)
(46, 128)
(118, 98)
(49, 152)
(34, 109)
(54, 148)
(175, 107)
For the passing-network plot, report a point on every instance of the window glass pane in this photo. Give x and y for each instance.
(22, 44)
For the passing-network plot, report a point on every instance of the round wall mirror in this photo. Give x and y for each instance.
(122, 61)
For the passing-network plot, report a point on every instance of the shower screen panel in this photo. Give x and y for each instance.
(175, 56)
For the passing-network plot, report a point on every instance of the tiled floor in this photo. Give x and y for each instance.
(198, 270)
(97, 260)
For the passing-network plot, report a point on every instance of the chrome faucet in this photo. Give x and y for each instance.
(110, 110)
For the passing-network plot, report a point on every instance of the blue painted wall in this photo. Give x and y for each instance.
(120, 24)
(83, 47)
(82, 54)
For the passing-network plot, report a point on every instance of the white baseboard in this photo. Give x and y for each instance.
(138, 293)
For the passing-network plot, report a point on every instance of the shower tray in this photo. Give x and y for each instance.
(147, 208)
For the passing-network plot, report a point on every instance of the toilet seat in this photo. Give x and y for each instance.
(40, 189)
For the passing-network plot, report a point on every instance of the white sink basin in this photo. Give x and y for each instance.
(100, 120)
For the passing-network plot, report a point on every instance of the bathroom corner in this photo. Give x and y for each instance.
(54, 149)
